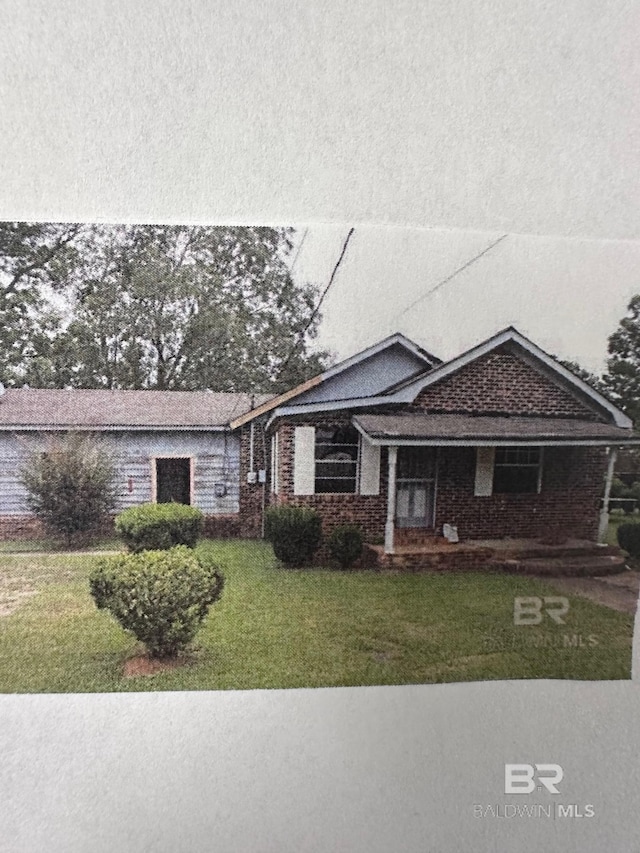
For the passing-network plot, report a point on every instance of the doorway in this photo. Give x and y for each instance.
(416, 487)
(173, 480)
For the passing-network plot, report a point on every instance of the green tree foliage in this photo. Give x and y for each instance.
(71, 486)
(36, 260)
(623, 375)
(166, 307)
(596, 382)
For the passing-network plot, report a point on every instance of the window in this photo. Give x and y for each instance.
(517, 470)
(336, 459)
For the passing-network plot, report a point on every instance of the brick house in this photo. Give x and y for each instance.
(502, 441)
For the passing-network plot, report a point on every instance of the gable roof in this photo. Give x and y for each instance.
(119, 410)
(407, 390)
(410, 390)
(421, 360)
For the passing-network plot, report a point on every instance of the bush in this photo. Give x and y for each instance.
(160, 596)
(629, 537)
(619, 489)
(71, 485)
(294, 533)
(156, 527)
(345, 544)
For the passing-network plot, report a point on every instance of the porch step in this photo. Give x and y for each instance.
(592, 565)
(536, 552)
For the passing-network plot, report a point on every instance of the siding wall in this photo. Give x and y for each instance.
(217, 459)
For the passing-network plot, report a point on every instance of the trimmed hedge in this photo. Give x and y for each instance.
(162, 597)
(294, 533)
(156, 527)
(629, 537)
(345, 544)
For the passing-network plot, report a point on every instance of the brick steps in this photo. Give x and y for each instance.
(570, 566)
(579, 560)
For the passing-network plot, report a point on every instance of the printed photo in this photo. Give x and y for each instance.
(241, 457)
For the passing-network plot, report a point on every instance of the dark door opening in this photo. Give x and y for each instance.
(173, 481)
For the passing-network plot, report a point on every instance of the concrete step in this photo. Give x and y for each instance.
(571, 566)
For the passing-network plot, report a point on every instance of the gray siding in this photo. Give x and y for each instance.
(216, 459)
(367, 378)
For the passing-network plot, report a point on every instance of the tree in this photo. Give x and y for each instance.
(71, 487)
(183, 307)
(36, 260)
(623, 375)
(596, 382)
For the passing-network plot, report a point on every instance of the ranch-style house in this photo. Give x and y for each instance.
(500, 443)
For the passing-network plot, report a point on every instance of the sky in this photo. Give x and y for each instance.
(568, 295)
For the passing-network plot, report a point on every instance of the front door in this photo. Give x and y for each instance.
(415, 484)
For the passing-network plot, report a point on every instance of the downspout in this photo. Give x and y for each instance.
(389, 528)
(604, 512)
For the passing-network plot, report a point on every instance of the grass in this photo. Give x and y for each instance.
(47, 546)
(279, 628)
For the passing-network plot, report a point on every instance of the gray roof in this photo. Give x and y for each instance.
(104, 410)
(485, 428)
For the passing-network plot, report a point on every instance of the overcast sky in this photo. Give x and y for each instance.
(568, 295)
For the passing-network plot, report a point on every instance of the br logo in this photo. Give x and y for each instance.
(530, 610)
(525, 778)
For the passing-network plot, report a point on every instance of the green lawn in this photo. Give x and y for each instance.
(277, 628)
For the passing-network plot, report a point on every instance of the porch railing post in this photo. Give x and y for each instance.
(604, 513)
(389, 528)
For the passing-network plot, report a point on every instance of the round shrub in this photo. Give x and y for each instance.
(155, 527)
(345, 544)
(629, 537)
(294, 533)
(160, 596)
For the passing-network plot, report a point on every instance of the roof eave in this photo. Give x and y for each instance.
(502, 337)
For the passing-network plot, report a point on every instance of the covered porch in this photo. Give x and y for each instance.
(478, 489)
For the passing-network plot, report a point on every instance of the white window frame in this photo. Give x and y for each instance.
(358, 446)
(538, 465)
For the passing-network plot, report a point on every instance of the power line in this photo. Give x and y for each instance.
(298, 250)
(449, 277)
(320, 301)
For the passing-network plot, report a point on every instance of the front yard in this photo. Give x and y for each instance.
(278, 628)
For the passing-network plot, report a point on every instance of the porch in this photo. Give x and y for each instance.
(513, 492)
(573, 558)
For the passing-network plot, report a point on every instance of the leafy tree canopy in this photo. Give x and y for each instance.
(167, 307)
(623, 374)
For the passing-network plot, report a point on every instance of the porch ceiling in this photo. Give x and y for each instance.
(462, 429)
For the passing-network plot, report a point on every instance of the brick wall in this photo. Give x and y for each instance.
(501, 382)
(567, 506)
(367, 511)
(253, 495)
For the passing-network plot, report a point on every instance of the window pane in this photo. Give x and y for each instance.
(324, 486)
(511, 479)
(336, 459)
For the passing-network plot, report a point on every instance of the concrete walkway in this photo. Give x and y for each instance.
(619, 592)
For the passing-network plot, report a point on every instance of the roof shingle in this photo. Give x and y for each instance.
(101, 409)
